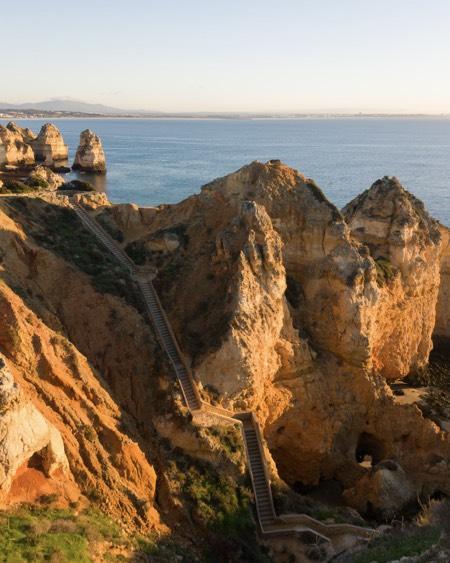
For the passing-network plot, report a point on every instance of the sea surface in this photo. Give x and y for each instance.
(153, 161)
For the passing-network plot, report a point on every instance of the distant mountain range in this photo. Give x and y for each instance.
(58, 107)
(72, 106)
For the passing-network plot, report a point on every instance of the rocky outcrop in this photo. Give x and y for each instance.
(442, 328)
(283, 310)
(405, 244)
(251, 251)
(90, 156)
(385, 490)
(27, 134)
(14, 151)
(24, 433)
(49, 146)
(52, 180)
(107, 456)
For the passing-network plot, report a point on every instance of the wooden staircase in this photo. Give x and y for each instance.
(268, 520)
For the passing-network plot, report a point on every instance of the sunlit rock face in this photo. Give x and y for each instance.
(287, 307)
(27, 134)
(405, 243)
(25, 432)
(90, 156)
(442, 328)
(14, 150)
(49, 146)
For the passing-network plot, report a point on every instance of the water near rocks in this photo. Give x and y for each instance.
(152, 161)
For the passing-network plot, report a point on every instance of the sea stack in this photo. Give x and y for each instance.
(90, 156)
(14, 151)
(49, 146)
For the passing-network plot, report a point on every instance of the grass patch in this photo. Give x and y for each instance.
(229, 437)
(399, 544)
(36, 533)
(385, 271)
(16, 187)
(220, 509)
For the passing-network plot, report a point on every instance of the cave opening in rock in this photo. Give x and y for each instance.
(36, 461)
(369, 450)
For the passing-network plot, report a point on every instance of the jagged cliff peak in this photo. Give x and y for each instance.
(387, 213)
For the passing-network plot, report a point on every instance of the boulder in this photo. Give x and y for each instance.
(49, 146)
(90, 156)
(386, 489)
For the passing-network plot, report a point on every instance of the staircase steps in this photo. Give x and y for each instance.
(268, 520)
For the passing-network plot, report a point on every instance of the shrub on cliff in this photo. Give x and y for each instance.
(37, 183)
(17, 187)
(78, 186)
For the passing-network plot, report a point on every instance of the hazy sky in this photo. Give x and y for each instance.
(220, 55)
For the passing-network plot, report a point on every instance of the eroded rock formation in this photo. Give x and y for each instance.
(25, 433)
(90, 156)
(442, 328)
(14, 150)
(40, 319)
(52, 180)
(49, 146)
(284, 305)
(302, 313)
(405, 243)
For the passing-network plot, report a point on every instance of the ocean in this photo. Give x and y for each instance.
(153, 161)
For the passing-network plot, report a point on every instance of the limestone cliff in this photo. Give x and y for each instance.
(442, 328)
(25, 433)
(47, 305)
(405, 243)
(90, 156)
(14, 151)
(27, 134)
(292, 312)
(49, 146)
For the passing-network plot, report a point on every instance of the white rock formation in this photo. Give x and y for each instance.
(24, 432)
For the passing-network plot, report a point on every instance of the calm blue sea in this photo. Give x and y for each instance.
(163, 161)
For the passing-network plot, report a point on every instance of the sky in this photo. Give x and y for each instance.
(230, 55)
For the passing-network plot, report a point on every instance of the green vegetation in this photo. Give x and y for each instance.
(385, 271)
(77, 185)
(16, 187)
(38, 183)
(60, 230)
(399, 543)
(220, 508)
(229, 437)
(46, 534)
